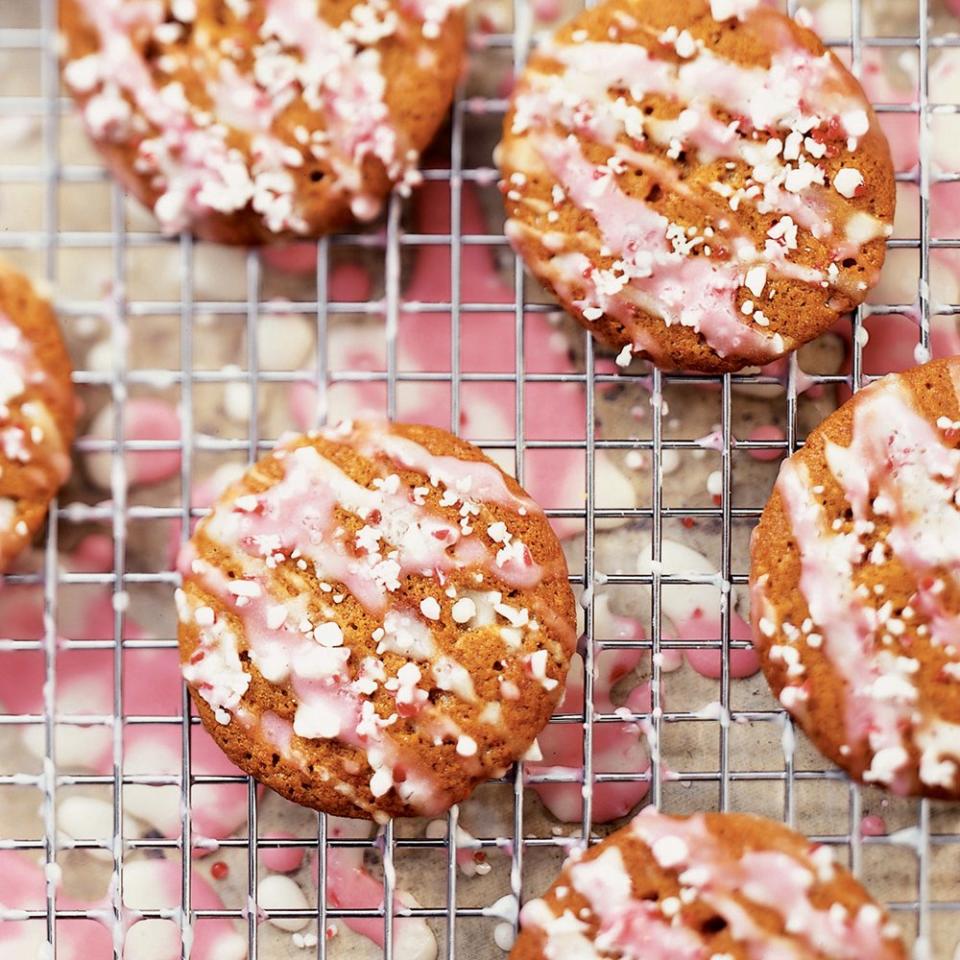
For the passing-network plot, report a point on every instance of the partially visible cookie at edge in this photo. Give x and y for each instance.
(37, 411)
(855, 583)
(703, 185)
(706, 887)
(262, 120)
(375, 619)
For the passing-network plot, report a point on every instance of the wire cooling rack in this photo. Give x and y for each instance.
(913, 868)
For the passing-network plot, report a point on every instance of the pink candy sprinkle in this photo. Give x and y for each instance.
(873, 825)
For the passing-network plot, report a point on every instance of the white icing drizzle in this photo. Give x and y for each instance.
(901, 480)
(295, 527)
(596, 96)
(195, 157)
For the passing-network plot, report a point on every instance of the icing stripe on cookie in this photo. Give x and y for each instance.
(901, 482)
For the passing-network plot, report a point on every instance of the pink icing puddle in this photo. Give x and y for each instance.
(145, 418)
(902, 129)
(149, 885)
(282, 859)
(617, 747)
(891, 344)
(23, 887)
(85, 687)
(351, 887)
(708, 663)
(546, 10)
(766, 432)
(780, 370)
(552, 411)
(151, 419)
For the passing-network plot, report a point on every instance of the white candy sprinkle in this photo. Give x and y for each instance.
(278, 892)
(847, 182)
(464, 610)
(756, 280)
(329, 634)
(430, 608)
(670, 851)
(855, 122)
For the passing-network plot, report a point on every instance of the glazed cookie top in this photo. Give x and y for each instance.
(382, 612)
(701, 184)
(36, 411)
(707, 887)
(855, 589)
(255, 120)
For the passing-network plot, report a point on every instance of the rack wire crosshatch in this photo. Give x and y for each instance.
(912, 868)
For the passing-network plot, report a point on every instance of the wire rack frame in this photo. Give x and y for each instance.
(49, 239)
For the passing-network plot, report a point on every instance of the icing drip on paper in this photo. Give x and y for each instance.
(553, 477)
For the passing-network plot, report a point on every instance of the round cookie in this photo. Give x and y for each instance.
(706, 887)
(37, 411)
(375, 619)
(855, 583)
(252, 121)
(700, 184)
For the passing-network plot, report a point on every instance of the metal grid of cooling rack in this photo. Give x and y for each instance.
(56, 170)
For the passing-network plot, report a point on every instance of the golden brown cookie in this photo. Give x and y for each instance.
(253, 121)
(714, 886)
(37, 412)
(855, 579)
(375, 619)
(699, 184)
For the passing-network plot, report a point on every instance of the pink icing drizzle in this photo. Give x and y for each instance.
(897, 454)
(826, 581)
(633, 231)
(193, 160)
(350, 94)
(768, 878)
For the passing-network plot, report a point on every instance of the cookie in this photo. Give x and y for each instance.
(375, 619)
(700, 184)
(253, 121)
(37, 411)
(714, 886)
(855, 594)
